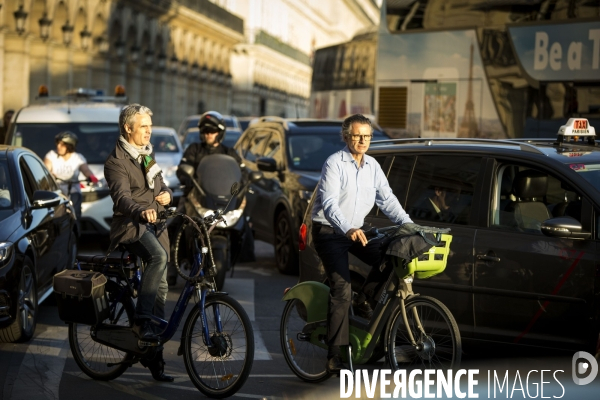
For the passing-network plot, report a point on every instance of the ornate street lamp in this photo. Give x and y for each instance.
(149, 57)
(67, 33)
(119, 49)
(102, 44)
(45, 27)
(20, 17)
(162, 61)
(173, 64)
(85, 38)
(134, 53)
(195, 70)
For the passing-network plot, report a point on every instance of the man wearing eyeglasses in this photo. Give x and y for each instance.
(351, 183)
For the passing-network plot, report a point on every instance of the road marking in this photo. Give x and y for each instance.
(41, 371)
(242, 289)
(256, 270)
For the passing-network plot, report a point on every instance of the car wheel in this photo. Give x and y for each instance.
(22, 329)
(286, 255)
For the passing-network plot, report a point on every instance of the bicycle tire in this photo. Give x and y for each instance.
(92, 357)
(230, 359)
(305, 359)
(441, 347)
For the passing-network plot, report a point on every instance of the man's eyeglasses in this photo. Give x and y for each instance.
(356, 138)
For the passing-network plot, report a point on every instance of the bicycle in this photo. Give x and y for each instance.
(408, 329)
(217, 342)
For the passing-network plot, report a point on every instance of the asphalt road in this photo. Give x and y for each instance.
(44, 368)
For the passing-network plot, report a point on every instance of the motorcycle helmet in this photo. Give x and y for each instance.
(212, 121)
(67, 138)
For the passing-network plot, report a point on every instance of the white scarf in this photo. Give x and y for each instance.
(142, 155)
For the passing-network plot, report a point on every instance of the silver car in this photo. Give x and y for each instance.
(168, 153)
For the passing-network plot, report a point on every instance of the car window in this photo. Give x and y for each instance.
(5, 189)
(441, 188)
(28, 180)
(164, 143)
(399, 176)
(309, 152)
(381, 160)
(254, 147)
(525, 197)
(38, 171)
(274, 149)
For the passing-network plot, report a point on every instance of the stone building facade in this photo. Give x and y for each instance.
(248, 57)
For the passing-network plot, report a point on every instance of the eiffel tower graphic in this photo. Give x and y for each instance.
(468, 127)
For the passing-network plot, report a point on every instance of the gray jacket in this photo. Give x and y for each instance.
(131, 196)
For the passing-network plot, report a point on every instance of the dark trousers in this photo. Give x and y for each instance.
(152, 295)
(333, 250)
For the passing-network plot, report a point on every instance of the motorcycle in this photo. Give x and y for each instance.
(212, 191)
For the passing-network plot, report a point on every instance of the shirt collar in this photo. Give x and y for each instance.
(347, 156)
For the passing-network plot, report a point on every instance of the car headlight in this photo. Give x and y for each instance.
(305, 194)
(171, 171)
(6, 252)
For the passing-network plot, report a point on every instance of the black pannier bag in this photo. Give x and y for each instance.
(80, 296)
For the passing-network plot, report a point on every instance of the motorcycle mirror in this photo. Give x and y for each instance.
(235, 188)
(187, 169)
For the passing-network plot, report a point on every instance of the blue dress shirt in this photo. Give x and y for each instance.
(346, 193)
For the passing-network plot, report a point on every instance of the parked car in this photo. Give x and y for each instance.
(525, 221)
(168, 152)
(231, 123)
(37, 239)
(291, 153)
(95, 121)
(193, 136)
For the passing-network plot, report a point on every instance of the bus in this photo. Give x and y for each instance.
(467, 68)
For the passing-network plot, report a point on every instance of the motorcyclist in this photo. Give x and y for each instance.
(212, 131)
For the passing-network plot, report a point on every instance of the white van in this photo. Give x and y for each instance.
(95, 121)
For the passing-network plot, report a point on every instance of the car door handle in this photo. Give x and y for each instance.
(485, 257)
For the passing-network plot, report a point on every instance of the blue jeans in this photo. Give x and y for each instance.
(152, 294)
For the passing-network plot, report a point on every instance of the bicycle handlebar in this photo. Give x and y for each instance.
(403, 230)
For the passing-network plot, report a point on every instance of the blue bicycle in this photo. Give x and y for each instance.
(217, 342)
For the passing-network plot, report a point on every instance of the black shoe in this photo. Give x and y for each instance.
(143, 330)
(157, 368)
(334, 365)
(363, 310)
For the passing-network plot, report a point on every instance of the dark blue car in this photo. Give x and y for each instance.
(38, 238)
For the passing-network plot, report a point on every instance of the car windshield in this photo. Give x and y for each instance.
(309, 152)
(590, 172)
(163, 143)
(231, 138)
(193, 122)
(96, 141)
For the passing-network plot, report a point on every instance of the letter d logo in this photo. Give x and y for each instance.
(581, 368)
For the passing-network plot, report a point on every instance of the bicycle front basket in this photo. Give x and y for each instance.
(428, 264)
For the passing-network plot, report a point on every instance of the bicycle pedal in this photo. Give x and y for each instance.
(142, 343)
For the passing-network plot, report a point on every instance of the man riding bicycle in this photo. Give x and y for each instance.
(139, 193)
(351, 183)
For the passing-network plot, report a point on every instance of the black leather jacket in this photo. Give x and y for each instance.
(195, 153)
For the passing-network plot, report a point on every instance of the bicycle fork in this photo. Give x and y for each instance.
(404, 292)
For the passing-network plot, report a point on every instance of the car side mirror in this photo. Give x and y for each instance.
(266, 164)
(45, 199)
(187, 169)
(256, 176)
(564, 227)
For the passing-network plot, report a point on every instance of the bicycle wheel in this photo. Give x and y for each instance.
(305, 359)
(219, 370)
(93, 357)
(438, 346)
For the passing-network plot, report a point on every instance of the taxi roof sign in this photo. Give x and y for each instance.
(576, 128)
